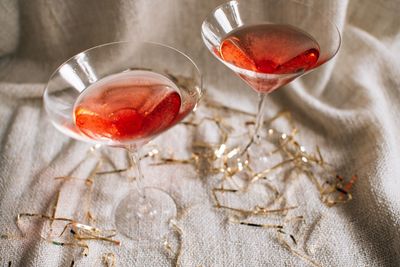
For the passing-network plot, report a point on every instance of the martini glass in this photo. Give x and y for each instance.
(269, 43)
(124, 94)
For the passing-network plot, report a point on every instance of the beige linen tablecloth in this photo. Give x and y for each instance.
(350, 108)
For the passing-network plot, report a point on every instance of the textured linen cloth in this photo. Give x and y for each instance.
(349, 107)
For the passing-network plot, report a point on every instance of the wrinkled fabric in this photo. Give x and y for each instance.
(349, 108)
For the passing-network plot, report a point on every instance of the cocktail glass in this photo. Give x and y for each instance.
(269, 43)
(124, 94)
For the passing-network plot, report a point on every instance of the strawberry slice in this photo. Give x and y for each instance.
(231, 52)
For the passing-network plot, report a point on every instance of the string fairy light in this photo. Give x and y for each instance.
(230, 163)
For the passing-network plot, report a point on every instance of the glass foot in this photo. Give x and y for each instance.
(145, 217)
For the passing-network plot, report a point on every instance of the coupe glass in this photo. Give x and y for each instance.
(233, 15)
(144, 213)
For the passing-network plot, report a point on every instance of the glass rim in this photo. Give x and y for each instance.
(125, 42)
(268, 75)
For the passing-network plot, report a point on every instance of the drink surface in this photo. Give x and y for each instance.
(270, 48)
(127, 106)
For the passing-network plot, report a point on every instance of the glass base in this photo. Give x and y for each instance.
(145, 217)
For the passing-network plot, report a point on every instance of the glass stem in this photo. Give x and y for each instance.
(135, 170)
(259, 121)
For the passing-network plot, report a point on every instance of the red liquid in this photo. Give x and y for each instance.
(127, 106)
(270, 48)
